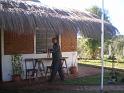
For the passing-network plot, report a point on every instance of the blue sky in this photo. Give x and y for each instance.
(114, 7)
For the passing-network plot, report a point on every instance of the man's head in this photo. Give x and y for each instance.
(54, 40)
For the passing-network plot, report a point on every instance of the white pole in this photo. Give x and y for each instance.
(2, 51)
(2, 42)
(102, 48)
(35, 42)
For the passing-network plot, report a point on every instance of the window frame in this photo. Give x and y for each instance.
(46, 42)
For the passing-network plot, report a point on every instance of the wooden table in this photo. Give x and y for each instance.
(63, 59)
(38, 62)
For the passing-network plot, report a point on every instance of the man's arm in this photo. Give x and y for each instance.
(55, 48)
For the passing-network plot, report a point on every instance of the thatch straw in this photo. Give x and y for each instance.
(24, 17)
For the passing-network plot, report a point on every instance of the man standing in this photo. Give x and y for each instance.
(56, 61)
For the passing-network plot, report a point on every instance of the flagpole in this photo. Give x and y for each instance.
(102, 48)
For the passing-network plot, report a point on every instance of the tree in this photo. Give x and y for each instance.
(93, 47)
(88, 48)
(117, 46)
(81, 48)
(98, 11)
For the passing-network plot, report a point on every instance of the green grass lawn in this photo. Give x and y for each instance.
(94, 80)
(107, 63)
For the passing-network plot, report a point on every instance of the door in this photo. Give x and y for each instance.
(0, 59)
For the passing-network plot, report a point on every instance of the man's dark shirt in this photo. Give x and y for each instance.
(56, 55)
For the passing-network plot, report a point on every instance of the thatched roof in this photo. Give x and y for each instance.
(27, 17)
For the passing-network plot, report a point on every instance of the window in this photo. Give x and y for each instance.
(43, 41)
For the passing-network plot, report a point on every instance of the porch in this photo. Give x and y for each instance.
(34, 46)
(41, 83)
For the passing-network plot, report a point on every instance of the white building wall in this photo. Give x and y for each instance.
(7, 67)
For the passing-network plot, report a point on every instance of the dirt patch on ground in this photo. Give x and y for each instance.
(87, 71)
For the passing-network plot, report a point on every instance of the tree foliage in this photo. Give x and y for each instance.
(98, 11)
(88, 48)
(117, 46)
(93, 47)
